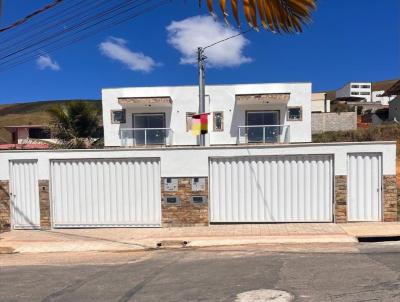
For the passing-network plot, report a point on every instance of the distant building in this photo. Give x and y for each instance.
(30, 134)
(319, 103)
(356, 90)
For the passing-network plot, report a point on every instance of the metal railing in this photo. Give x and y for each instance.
(264, 134)
(132, 137)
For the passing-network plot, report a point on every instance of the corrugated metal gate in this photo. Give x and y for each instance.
(364, 187)
(106, 192)
(24, 192)
(292, 188)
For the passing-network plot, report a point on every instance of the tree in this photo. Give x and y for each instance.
(275, 15)
(75, 124)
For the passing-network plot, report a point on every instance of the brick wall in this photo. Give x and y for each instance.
(332, 121)
(389, 198)
(44, 200)
(186, 213)
(5, 210)
(341, 198)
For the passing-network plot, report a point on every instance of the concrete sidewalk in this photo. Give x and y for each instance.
(122, 239)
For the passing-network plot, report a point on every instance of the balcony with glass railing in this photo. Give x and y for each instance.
(145, 137)
(264, 134)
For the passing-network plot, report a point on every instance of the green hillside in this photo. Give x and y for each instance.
(33, 113)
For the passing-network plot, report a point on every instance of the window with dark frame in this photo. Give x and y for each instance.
(39, 133)
(118, 116)
(218, 124)
(295, 114)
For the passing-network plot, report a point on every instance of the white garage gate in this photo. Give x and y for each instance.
(24, 193)
(364, 187)
(290, 188)
(106, 192)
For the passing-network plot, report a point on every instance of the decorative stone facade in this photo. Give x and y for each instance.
(45, 216)
(5, 207)
(185, 213)
(389, 198)
(341, 198)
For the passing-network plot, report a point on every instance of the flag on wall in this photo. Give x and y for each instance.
(200, 124)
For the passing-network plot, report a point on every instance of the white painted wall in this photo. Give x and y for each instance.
(319, 103)
(219, 98)
(193, 162)
(384, 100)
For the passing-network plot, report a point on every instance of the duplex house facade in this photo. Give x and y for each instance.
(239, 114)
(258, 166)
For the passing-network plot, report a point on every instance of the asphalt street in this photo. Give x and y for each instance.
(361, 272)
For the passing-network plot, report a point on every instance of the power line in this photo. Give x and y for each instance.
(226, 39)
(58, 34)
(36, 27)
(30, 16)
(10, 64)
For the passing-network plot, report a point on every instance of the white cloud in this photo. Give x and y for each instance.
(116, 49)
(45, 61)
(187, 35)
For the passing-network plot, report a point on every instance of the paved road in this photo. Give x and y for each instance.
(367, 272)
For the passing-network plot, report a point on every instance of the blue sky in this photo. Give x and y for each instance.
(349, 40)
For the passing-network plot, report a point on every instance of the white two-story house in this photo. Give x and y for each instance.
(238, 114)
(258, 166)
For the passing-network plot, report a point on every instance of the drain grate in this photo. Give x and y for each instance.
(172, 243)
(378, 238)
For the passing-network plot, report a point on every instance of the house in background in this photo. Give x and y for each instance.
(239, 114)
(319, 102)
(30, 134)
(380, 97)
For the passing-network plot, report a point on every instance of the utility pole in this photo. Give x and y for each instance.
(202, 97)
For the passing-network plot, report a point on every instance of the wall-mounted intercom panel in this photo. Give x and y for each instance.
(198, 184)
(170, 184)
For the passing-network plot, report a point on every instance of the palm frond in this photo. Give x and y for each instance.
(275, 15)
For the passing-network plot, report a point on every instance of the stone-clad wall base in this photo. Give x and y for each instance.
(398, 204)
(341, 198)
(389, 198)
(5, 209)
(186, 213)
(45, 216)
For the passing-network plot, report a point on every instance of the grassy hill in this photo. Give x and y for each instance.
(376, 86)
(33, 113)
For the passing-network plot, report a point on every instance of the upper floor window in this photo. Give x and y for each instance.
(118, 116)
(295, 114)
(365, 86)
(189, 116)
(355, 86)
(218, 124)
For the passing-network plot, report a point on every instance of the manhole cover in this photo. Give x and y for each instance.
(264, 295)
